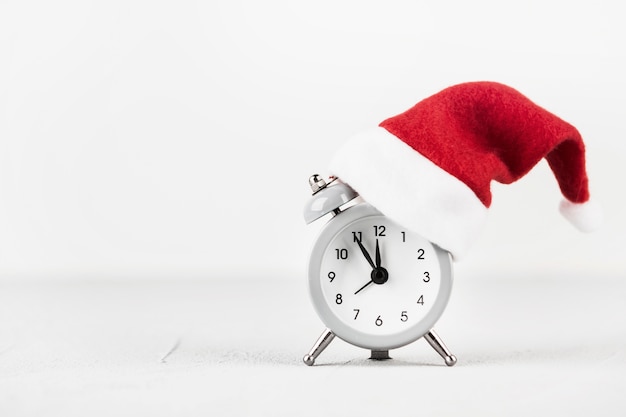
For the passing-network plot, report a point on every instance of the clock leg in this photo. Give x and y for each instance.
(322, 343)
(435, 341)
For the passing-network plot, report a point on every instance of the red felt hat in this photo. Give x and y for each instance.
(430, 168)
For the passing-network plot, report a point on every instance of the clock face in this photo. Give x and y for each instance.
(376, 284)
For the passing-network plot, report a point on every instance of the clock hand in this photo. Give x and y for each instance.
(363, 287)
(367, 255)
(377, 255)
(379, 274)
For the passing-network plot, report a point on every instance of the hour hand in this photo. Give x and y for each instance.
(367, 255)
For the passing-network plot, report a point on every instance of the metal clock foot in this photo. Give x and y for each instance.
(435, 341)
(322, 343)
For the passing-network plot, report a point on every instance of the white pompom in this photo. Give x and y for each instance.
(587, 216)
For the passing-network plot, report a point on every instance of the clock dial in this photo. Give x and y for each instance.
(375, 283)
(386, 296)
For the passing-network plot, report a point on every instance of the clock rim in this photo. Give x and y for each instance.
(349, 334)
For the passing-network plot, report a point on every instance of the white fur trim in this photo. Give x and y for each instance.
(587, 217)
(410, 189)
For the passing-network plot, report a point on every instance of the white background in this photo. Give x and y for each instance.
(176, 138)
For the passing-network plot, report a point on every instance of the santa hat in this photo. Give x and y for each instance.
(430, 168)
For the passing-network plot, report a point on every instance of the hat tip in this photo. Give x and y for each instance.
(586, 217)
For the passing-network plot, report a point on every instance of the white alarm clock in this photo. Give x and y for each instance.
(372, 282)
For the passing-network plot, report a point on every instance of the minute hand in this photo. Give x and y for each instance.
(367, 255)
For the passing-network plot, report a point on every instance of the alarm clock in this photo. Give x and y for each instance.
(373, 283)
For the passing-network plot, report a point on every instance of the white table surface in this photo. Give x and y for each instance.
(233, 346)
